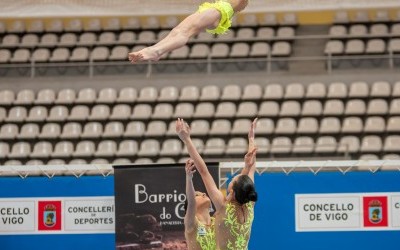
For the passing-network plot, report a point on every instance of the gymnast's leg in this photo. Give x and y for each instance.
(179, 36)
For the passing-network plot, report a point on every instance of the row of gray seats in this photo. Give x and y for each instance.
(49, 40)
(132, 23)
(120, 53)
(192, 93)
(201, 127)
(361, 30)
(359, 47)
(206, 110)
(210, 147)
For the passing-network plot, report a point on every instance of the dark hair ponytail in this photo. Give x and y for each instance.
(244, 190)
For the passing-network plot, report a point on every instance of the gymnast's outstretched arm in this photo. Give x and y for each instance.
(183, 131)
(250, 158)
(190, 216)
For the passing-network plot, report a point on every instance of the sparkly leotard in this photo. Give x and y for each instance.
(226, 11)
(231, 233)
(203, 237)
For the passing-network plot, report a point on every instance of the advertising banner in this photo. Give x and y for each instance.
(63, 213)
(328, 210)
(149, 204)
(57, 215)
(346, 212)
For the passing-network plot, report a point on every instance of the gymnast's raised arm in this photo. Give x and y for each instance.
(183, 131)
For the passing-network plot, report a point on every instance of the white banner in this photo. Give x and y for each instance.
(57, 215)
(347, 212)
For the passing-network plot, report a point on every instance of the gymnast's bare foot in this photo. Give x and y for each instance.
(146, 54)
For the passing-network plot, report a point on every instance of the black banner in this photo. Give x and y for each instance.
(149, 201)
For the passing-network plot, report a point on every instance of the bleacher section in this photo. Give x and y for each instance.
(138, 125)
(257, 41)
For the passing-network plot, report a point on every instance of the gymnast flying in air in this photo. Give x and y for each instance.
(199, 225)
(214, 17)
(234, 213)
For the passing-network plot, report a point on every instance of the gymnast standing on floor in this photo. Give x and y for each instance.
(234, 213)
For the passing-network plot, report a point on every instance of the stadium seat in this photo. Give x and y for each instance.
(58, 113)
(149, 147)
(311, 108)
(168, 94)
(204, 110)
(171, 147)
(303, 145)
(199, 128)
(348, 144)
(156, 128)
(162, 111)
(29, 131)
(63, 149)
(183, 110)
(66, 96)
(286, 126)
(141, 112)
(236, 146)
(281, 145)
(214, 147)
(37, 114)
(25, 97)
(113, 130)
(50, 131)
(79, 113)
(135, 129)
(290, 108)
(294, 91)
(220, 127)
(225, 110)
(6, 97)
(127, 148)
(99, 112)
(252, 92)
(92, 130)
(273, 92)
(247, 110)
(84, 149)
(42, 149)
(189, 93)
(121, 112)
(45, 97)
(106, 148)
(127, 95)
(265, 126)
(20, 150)
(374, 124)
(148, 94)
(241, 127)
(326, 145)
(86, 96)
(268, 109)
(17, 114)
(71, 130)
(307, 125)
(393, 124)
(107, 95)
(231, 93)
(9, 131)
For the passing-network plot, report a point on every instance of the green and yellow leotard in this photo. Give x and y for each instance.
(226, 10)
(203, 237)
(232, 234)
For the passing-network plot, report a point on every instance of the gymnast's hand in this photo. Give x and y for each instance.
(182, 129)
(250, 158)
(190, 168)
(252, 129)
